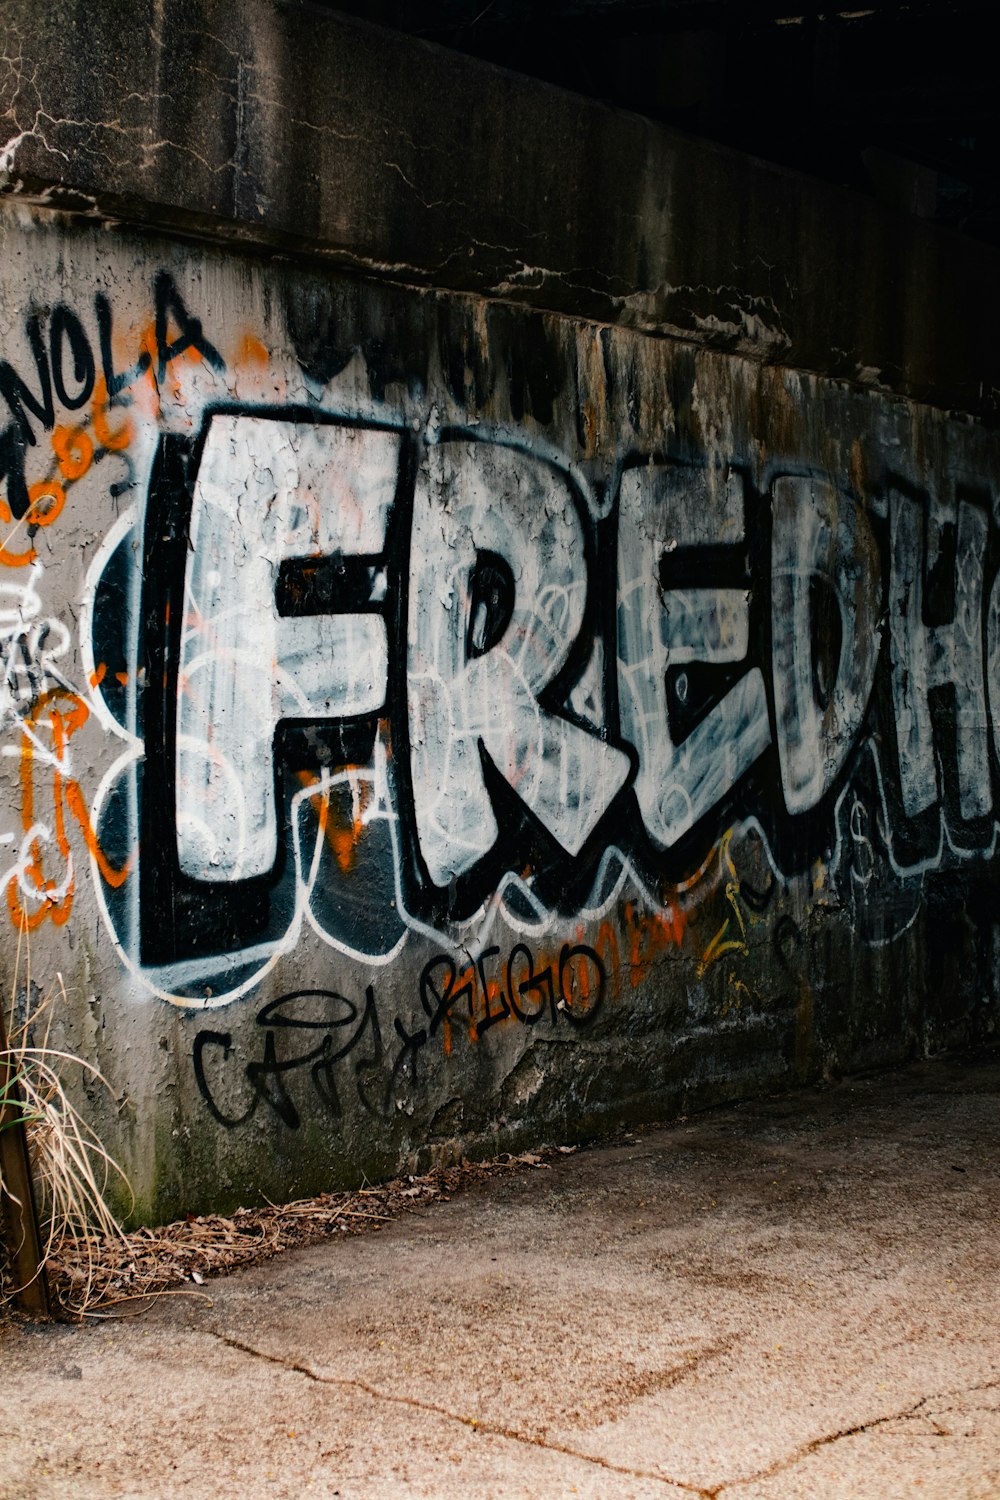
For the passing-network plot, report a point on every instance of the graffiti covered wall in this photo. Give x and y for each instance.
(429, 725)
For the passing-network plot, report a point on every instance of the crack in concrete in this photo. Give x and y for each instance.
(908, 1413)
(490, 1429)
(428, 203)
(95, 128)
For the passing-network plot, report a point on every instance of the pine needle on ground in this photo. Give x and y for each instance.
(91, 1276)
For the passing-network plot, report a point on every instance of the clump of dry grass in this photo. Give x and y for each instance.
(72, 1170)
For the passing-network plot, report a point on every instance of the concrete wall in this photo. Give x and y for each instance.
(433, 722)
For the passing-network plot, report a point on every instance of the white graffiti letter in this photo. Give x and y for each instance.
(498, 582)
(820, 538)
(993, 662)
(267, 491)
(925, 657)
(663, 507)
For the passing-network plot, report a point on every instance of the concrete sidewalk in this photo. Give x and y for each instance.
(798, 1297)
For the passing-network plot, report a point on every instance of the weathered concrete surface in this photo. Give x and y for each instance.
(429, 723)
(794, 1298)
(311, 935)
(280, 125)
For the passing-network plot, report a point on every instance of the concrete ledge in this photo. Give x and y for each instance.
(300, 130)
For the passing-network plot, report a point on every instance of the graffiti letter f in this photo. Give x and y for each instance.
(268, 491)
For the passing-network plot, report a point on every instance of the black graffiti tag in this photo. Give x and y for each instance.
(329, 1028)
(267, 1075)
(67, 373)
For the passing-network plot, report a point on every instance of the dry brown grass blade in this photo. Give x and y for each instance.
(71, 1168)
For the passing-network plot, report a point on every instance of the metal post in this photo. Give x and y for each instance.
(19, 1219)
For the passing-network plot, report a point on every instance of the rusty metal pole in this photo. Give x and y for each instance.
(19, 1218)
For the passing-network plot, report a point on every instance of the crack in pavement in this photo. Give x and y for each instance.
(491, 1429)
(908, 1412)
